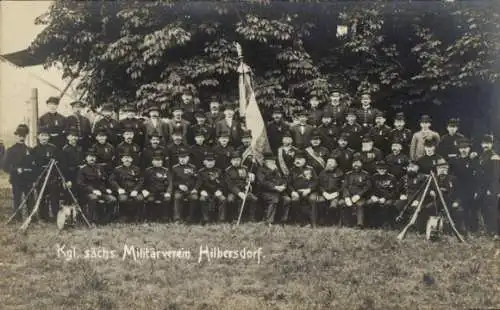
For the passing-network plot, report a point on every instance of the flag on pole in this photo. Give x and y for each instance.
(254, 120)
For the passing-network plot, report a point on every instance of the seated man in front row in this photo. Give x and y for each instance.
(158, 189)
(95, 192)
(330, 189)
(210, 185)
(184, 178)
(357, 185)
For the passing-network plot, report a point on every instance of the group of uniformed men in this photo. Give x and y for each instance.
(335, 164)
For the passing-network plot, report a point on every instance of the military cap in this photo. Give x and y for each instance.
(126, 153)
(72, 131)
(177, 107)
(269, 156)
(54, 100)
(332, 155)
(129, 108)
(302, 112)
(397, 141)
(246, 134)
(367, 139)
(344, 136)
(107, 107)
(487, 139)
(91, 152)
(176, 133)
(287, 133)
(43, 130)
(429, 142)
(77, 103)
(154, 134)
(453, 122)
(209, 156)
(399, 116)
(235, 154)
(153, 107)
(214, 98)
(357, 157)
(229, 106)
(441, 163)
(380, 114)
(187, 91)
(425, 118)
(101, 132)
(200, 114)
(315, 135)
(157, 156)
(380, 164)
(300, 154)
(128, 129)
(335, 90)
(199, 133)
(182, 152)
(463, 143)
(351, 111)
(22, 130)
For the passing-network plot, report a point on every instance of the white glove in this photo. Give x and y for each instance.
(348, 202)
(133, 194)
(381, 200)
(121, 191)
(217, 193)
(96, 192)
(204, 194)
(374, 198)
(251, 176)
(327, 196)
(145, 193)
(68, 184)
(403, 197)
(334, 195)
(183, 188)
(167, 195)
(488, 193)
(473, 155)
(194, 191)
(455, 205)
(295, 195)
(241, 195)
(414, 203)
(306, 191)
(19, 170)
(355, 198)
(109, 191)
(476, 195)
(433, 193)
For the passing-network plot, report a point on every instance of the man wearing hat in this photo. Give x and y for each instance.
(418, 139)
(400, 133)
(237, 178)
(370, 154)
(411, 183)
(356, 191)
(466, 167)
(448, 146)
(187, 101)
(132, 123)
(384, 194)
(202, 126)
(303, 185)
(178, 123)
(330, 190)
(247, 156)
(328, 131)
(302, 132)
(81, 124)
(343, 153)
(352, 129)
(199, 149)
(71, 159)
(229, 125)
(43, 153)
(154, 149)
(210, 185)
(18, 163)
(222, 151)
(155, 126)
(157, 189)
(316, 153)
(366, 114)
(104, 151)
(129, 146)
(428, 161)
(272, 185)
(381, 133)
(54, 122)
(127, 183)
(286, 153)
(214, 114)
(488, 185)
(109, 124)
(94, 191)
(397, 161)
(184, 179)
(275, 129)
(176, 144)
(336, 109)
(315, 112)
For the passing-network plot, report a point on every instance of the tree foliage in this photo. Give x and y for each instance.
(148, 51)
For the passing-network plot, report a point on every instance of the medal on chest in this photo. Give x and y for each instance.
(160, 175)
(371, 155)
(307, 174)
(242, 173)
(47, 154)
(213, 175)
(27, 153)
(56, 123)
(188, 171)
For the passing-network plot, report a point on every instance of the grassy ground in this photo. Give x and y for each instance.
(300, 268)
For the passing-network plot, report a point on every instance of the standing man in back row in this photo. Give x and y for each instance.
(418, 138)
(54, 123)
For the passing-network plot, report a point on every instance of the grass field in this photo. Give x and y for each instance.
(299, 268)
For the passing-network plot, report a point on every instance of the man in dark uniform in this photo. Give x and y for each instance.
(43, 153)
(155, 126)
(222, 152)
(210, 185)
(384, 193)
(154, 149)
(412, 182)
(202, 126)
(400, 133)
(215, 114)
(95, 192)
(127, 183)
(427, 163)
(448, 145)
(18, 163)
(366, 114)
(81, 124)
(188, 104)
(343, 153)
(381, 133)
(315, 112)
(275, 129)
(237, 177)
(104, 152)
(330, 189)
(72, 158)
(158, 188)
(54, 123)
(184, 179)
(396, 160)
(128, 146)
(336, 109)
(465, 167)
(488, 185)
(174, 147)
(286, 154)
(302, 186)
(272, 186)
(109, 124)
(356, 191)
(352, 130)
(230, 125)
(316, 153)
(302, 132)
(328, 132)
(370, 155)
(199, 149)
(133, 124)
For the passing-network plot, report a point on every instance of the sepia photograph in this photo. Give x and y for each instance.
(250, 154)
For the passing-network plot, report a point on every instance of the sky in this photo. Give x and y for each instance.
(17, 30)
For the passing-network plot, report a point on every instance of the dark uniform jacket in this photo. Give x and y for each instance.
(234, 131)
(428, 163)
(91, 177)
(354, 133)
(128, 148)
(357, 183)
(105, 155)
(236, 179)
(128, 178)
(366, 117)
(397, 164)
(448, 145)
(267, 179)
(110, 125)
(275, 134)
(205, 128)
(81, 124)
(403, 135)
(159, 128)
(213, 118)
(42, 154)
(370, 157)
(337, 112)
(172, 151)
(411, 183)
(71, 159)
(148, 154)
(344, 157)
(314, 117)
(465, 170)
(285, 158)
(316, 157)
(222, 156)
(329, 135)
(158, 180)
(330, 181)
(18, 156)
(136, 125)
(447, 185)
(184, 175)
(210, 180)
(55, 124)
(381, 136)
(300, 139)
(302, 178)
(488, 174)
(385, 186)
(198, 154)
